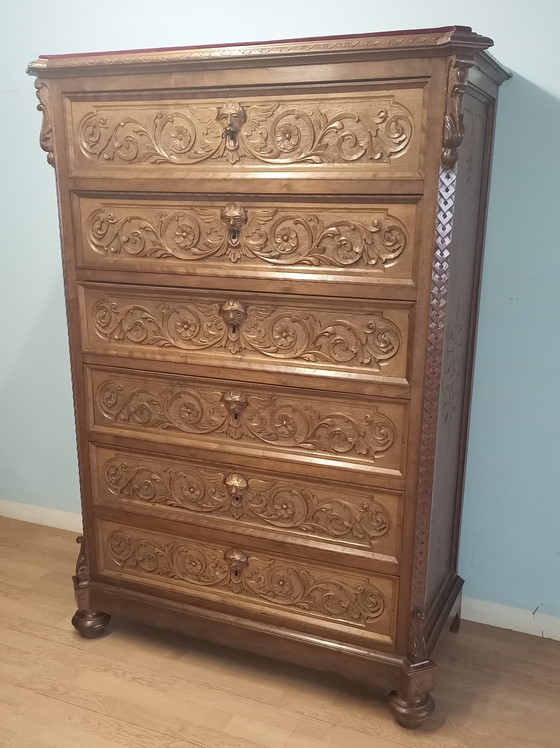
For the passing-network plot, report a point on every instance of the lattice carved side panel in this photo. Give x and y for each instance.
(438, 307)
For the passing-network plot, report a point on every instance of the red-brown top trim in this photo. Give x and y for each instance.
(124, 52)
(440, 41)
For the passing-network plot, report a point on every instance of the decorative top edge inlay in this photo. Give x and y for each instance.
(395, 40)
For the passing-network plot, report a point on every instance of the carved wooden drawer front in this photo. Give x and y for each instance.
(219, 237)
(265, 331)
(261, 503)
(367, 134)
(276, 421)
(309, 595)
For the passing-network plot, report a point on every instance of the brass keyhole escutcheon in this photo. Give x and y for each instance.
(232, 117)
(236, 484)
(234, 314)
(237, 560)
(236, 402)
(235, 216)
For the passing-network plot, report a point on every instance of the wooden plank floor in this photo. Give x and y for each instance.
(141, 687)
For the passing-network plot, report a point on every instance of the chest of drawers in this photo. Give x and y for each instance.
(271, 256)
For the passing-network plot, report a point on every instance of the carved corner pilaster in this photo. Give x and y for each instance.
(417, 650)
(46, 136)
(81, 577)
(454, 129)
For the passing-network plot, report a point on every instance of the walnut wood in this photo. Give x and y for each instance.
(90, 623)
(271, 349)
(412, 712)
(263, 585)
(145, 686)
(311, 514)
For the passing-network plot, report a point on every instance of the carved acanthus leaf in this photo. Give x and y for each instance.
(280, 421)
(275, 236)
(363, 130)
(281, 504)
(353, 600)
(82, 568)
(44, 106)
(348, 339)
(417, 651)
(454, 129)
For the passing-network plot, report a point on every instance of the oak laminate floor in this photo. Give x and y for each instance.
(149, 689)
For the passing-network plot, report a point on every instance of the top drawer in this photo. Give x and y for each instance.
(344, 133)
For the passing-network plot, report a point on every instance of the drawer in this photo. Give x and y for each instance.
(277, 422)
(271, 586)
(334, 134)
(253, 238)
(273, 332)
(258, 503)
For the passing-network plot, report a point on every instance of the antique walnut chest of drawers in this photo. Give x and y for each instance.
(272, 256)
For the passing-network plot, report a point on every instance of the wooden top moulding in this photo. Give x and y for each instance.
(450, 40)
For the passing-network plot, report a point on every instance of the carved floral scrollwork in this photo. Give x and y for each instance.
(454, 129)
(44, 106)
(369, 340)
(276, 503)
(266, 418)
(273, 236)
(354, 601)
(372, 129)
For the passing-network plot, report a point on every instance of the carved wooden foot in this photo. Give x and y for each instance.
(412, 712)
(90, 623)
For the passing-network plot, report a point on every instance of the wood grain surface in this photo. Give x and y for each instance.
(138, 687)
(259, 270)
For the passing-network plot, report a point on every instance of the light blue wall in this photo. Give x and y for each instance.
(511, 531)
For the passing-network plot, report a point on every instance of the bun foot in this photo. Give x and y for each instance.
(90, 623)
(411, 713)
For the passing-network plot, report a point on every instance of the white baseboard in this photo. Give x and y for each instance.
(41, 515)
(506, 617)
(481, 611)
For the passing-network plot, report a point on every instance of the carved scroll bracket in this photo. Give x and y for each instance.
(46, 135)
(417, 651)
(81, 577)
(454, 129)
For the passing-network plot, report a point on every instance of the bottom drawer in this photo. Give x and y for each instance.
(290, 592)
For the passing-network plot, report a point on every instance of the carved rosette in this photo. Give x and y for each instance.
(273, 503)
(361, 130)
(454, 129)
(274, 236)
(355, 601)
(44, 106)
(266, 418)
(367, 340)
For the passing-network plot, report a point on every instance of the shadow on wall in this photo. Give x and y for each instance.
(511, 511)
